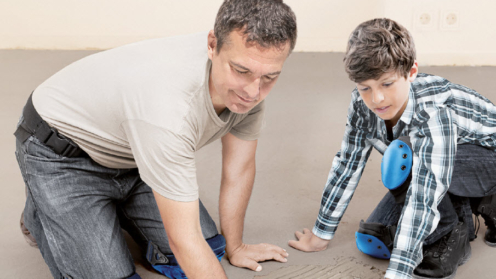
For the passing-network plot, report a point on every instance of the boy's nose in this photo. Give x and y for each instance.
(377, 97)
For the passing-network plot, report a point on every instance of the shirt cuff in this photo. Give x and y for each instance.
(393, 274)
(402, 264)
(322, 231)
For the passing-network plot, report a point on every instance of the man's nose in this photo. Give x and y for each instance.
(253, 89)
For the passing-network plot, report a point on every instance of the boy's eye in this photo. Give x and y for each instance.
(364, 89)
(387, 84)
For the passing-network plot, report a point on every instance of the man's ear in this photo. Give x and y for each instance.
(211, 44)
(413, 72)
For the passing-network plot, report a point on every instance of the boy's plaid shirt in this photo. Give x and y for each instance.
(439, 115)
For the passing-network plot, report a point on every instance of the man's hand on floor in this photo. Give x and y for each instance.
(249, 256)
(308, 242)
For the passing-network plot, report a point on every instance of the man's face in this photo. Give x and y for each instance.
(387, 96)
(242, 74)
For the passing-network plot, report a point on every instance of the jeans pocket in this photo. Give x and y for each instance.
(37, 149)
(40, 160)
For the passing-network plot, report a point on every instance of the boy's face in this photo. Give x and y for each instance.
(387, 96)
(242, 74)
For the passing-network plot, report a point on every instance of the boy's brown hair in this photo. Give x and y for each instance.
(379, 46)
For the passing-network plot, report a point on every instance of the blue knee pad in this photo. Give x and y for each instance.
(396, 168)
(372, 246)
(375, 239)
(167, 264)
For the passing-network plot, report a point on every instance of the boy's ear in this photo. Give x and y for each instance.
(413, 72)
(211, 44)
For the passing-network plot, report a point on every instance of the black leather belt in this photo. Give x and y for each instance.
(34, 125)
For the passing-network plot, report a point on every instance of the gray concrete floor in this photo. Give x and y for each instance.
(305, 119)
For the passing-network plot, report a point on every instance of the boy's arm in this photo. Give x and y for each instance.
(434, 148)
(347, 168)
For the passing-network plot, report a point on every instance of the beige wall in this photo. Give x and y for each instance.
(99, 24)
(324, 25)
(470, 41)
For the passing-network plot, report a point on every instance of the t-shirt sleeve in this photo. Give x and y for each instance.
(250, 127)
(165, 160)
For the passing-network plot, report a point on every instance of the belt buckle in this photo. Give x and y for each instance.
(71, 149)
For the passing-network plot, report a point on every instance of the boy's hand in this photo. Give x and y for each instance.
(249, 255)
(308, 242)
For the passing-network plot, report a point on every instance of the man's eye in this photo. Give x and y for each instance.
(241, 72)
(269, 78)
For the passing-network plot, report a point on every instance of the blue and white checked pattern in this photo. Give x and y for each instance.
(439, 115)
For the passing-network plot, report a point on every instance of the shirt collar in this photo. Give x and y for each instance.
(407, 115)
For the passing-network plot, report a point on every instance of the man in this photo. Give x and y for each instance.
(110, 141)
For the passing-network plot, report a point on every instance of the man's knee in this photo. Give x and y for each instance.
(208, 226)
(168, 265)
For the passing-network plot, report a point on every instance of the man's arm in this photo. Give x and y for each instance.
(238, 175)
(182, 224)
(166, 162)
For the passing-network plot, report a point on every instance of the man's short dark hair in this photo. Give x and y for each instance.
(269, 23)
(379, 46)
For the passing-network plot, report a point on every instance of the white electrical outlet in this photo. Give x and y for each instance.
(450, 20)
(425, 20)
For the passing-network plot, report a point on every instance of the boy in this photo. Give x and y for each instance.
(424, 223)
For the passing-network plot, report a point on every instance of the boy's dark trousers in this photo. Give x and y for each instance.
(474, 177)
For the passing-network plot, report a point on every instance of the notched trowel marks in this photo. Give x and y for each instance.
(346, 268)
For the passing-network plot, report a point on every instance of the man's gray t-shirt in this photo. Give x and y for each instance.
(144, 105)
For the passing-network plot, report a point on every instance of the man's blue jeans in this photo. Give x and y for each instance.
(75, 209)
(474, 177)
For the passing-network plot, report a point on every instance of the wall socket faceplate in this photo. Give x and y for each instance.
(450, 20)
(425, 20)
(436, 20)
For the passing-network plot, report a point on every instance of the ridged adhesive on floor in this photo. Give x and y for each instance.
(346, 268)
